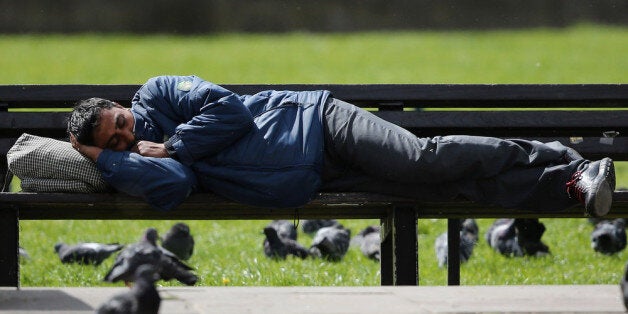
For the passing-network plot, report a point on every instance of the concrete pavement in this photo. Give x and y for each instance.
(329, 300)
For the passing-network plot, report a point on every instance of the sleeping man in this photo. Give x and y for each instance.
(183, 134)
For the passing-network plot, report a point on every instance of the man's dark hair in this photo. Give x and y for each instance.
(86, 117)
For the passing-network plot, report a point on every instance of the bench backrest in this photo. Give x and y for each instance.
(593, 118)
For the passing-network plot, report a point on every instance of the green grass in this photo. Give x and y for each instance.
(583, 54)
(229, 252)
(226, 252)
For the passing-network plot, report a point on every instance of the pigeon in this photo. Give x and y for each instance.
(285, 229)
(280, 247)
(368, 240)
(311, 226)
(142, 298)
(529, 233)
(179, 241)
(86, 252)
(23, 254)
(146, 251)
(468, 238)
(595, 220)
(470, 227)
(502, 237)
(173, 268)
(331, 243)
(441, 249)
(623, 285)
(609, 236)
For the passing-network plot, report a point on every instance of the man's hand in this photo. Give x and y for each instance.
(150, 149)
(91, 152)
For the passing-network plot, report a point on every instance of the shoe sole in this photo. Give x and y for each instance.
(599, 204)
(611, 175)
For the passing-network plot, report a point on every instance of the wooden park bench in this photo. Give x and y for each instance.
(592, 118)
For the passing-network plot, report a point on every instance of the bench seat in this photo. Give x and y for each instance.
(42, 206)
(591, 118)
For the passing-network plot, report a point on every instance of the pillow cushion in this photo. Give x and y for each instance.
(49, 165)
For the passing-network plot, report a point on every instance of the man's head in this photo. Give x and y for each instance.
(103, 123)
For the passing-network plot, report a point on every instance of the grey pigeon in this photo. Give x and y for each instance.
(441, 249)
(623, 285)
(179, 241)
(23, 254)
(142, 298)
(331, 243)
(529, 233)
(280, 247)
(86, 252)
(368, 240)
(470, 227)
(502, 237)
(171, 267)
(285, 229)
(146, 251)
(609, 236)
(468, 238)
(142, 252)
(595, 220)
(311, 226)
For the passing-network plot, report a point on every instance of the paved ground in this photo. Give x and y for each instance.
(329, 300)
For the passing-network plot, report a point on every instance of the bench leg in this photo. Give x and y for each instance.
(385, 254)
(453, 252)
(9, 267)
(399, 247)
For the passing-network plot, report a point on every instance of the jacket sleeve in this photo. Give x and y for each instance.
(200, 118)
(162, 182)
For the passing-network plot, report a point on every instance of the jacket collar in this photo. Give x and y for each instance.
(140, 127)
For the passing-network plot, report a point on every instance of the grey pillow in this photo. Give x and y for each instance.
(49, 165)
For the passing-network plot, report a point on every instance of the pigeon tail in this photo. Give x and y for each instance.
(187, 278)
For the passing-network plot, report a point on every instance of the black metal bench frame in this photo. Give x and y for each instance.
(593, 118)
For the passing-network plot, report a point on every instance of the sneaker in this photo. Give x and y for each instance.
(593, 186)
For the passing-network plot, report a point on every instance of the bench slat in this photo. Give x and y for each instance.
(510, 123)
(560, 122)
(210, 206)
(445, 95)
(422, 123)
(590, 147)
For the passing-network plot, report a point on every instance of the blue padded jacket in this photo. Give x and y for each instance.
(264, 149)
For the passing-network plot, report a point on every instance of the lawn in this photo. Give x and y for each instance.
(584, 54)
(230, 252)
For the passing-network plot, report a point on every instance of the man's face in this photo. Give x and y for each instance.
(115, 131)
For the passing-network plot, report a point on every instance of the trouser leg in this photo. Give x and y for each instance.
(363, 148)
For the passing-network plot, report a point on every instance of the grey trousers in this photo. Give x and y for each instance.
(364, 153)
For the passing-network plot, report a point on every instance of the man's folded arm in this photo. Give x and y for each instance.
(204, 117)
(162, 182)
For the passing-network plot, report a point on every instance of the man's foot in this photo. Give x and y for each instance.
(593, 186)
